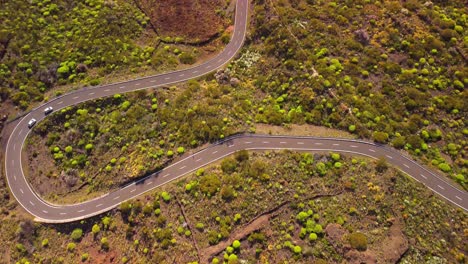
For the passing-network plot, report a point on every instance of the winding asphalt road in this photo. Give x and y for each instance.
(46, 212)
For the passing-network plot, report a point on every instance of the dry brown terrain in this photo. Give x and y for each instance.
(195, 21)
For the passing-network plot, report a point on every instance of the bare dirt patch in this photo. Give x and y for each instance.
(196, 21)
(302, 130)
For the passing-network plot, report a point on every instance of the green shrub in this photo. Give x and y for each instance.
(77, 234)
(358, 241)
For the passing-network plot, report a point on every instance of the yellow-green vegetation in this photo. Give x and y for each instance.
(393, 71)
(102, 144)
(283, 206)
(55, 43)
(59, 42)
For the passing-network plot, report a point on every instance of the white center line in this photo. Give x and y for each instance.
(13, 162)
(167, 78)
(388, 156)
(459, 198)
(99, 205)
(63, 213)
(214, 152)
(441, 187)
(183, 167)
(371, 150)
(406, 166)
(133, 190)
(91, 93)
(148, 183)
(115, 198)
(167, 175)
(336, 144)
(21, 131)
(121, 87)
(14, 147)
(207, 67)
(44, 211)
(195, 71)
(31, 203)
(182, 74)
(137, 84)
(353, 146)
(282, 142)
(152, 81)
(318, 143)
(80, 211)
(198, 160)
(230, 146)
(423, 176)
(247, 142)
(59, 103)
(106, 90)
(300, 143)
(76, 97)
(14, 177)
(265, 142)
(21, 190)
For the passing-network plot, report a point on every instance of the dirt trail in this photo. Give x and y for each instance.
(256, 224)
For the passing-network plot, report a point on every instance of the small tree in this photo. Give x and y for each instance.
(358, 241)
(236, 244)
(312, 237)
(104, 243)
(166, 196)
(297, 250)
(96, 229)
(381, 165)
(71, 246)
(77, 234)
(380, 137)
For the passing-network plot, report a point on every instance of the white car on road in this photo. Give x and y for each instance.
(31, 122)
(48, 110)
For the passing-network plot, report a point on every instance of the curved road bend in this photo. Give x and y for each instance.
(46, 212)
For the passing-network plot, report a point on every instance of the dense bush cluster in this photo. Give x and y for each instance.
(392, 71)
(109, 141)
(60, 42)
